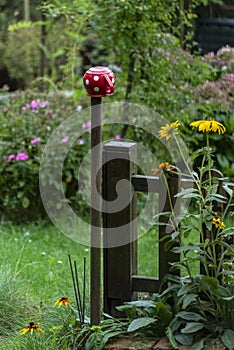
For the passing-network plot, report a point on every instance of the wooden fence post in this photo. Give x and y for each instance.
(120, 262)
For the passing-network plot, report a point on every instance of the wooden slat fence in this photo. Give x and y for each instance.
(121, 281)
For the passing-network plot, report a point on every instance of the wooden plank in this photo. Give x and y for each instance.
(153, 184)
(145, 284)
(120, 245)
(146, 183)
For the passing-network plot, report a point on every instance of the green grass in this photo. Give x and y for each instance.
(38, 252)
(34, 257)
(35, 273)
(148, 254)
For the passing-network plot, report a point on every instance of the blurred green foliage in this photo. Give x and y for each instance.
(27, 120)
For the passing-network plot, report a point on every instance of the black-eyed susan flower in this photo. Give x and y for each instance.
(32, 327)
(218, 223)
(209, 125)
(62, 301)
(165, 167)
(169, 130)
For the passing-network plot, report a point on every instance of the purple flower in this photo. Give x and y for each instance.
(10, 157)
(36, 140)
(22, 156)
(81, 141)
(34, 105)
(65, 139)
(25, 107)
(79, 108)
(117, 137)
(87, 125)
(43, 104)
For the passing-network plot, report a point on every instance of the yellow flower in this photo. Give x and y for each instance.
(62, 301)
(169, 130)
(209, 125)
(32, 327)
(210, 265)
(218, 223)
(164, 167)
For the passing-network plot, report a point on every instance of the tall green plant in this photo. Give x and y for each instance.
(203, 302)
(194, 306)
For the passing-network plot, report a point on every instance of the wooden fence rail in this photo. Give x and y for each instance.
(121, 281)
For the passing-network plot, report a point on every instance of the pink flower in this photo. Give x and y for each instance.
(22, 156)
(117, 137)
(43, 104)
(10, 157)
(25, 107)
(34, 105)
(87, 125)
(65, 139)
(37, 139)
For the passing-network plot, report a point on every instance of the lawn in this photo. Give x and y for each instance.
(35, 272)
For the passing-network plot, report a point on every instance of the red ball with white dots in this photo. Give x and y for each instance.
(99, 81)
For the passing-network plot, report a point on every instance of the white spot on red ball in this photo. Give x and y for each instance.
(87, 81)
(95, 78)
(96, 89)
(113, 80)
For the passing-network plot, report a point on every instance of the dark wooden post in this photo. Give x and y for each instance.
(96, 208)
(99, 82)
(120, 246)
(166, 256)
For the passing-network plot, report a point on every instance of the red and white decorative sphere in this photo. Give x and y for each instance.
(99, 81)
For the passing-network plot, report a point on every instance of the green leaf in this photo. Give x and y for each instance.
(197, 153)
(140, 323)
(171, 338)
(25, 202)
(184, 249)
(107, 335)
(188, 299)
(184, 339)
(129, 310)
(20, 25)
(164, 314)
(228, 339)
(188, 193)
(189, 316)
(142, 303)
(209, 283)
(198, 345)
(192, 327)
(228, 190)
(184, 290)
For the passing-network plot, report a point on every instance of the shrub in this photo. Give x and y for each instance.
(28, 120)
